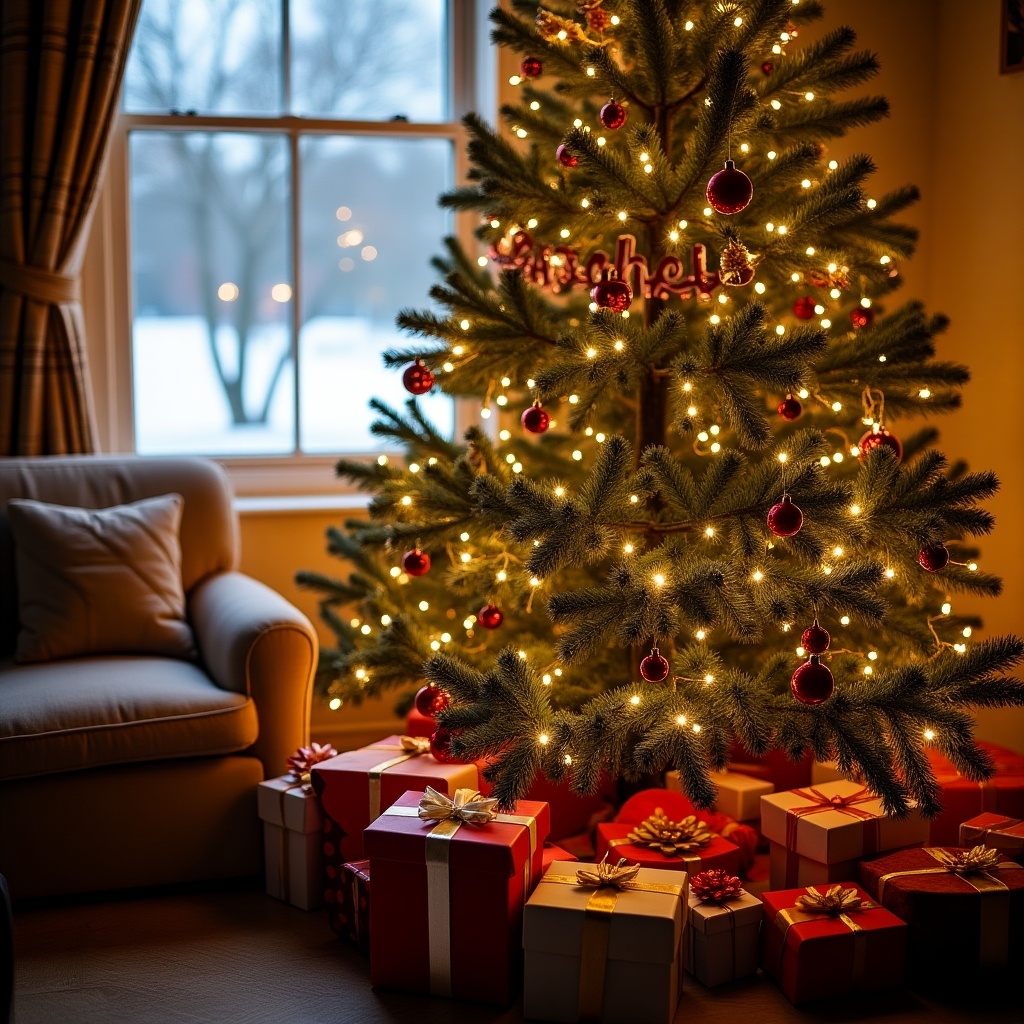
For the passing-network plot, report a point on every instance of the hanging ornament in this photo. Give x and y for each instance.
(417, 378)
(416, 562)
(730, 190)
(654, 668)
(766, 68)
(862, 318)
(880, 438)
(790, 408)
(598, 19)
(736, 264)
(566, 157)
(441, 744)
(803, 308)
(490, 616)
(613, 115)
(815, 639)
(785, 518)
(812, 682)
(933, 557)
(531, 67)
(535, 419)
(431, 700)
(611, 292)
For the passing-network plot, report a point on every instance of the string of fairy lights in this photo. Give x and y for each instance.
(710, 440)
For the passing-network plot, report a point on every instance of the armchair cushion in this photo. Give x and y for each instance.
(99, 581)
(84, 712)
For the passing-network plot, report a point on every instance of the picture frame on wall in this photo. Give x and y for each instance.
(1011, 36)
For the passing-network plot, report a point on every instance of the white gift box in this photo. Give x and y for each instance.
(739, 795)
(819, 833)
(292, 840)
(723, 939)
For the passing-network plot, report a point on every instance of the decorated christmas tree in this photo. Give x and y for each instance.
(693, 508)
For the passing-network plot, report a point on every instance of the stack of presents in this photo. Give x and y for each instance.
(596, 913)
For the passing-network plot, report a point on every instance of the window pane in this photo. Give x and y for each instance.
(369, 224)
(211, 336)
(369, 59)
(206, 56)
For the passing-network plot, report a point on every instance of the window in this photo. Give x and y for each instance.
(283, 161)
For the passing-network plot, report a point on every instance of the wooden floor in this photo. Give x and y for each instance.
(238, 956)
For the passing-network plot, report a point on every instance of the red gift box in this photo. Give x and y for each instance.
(959, 923)
(823, 955)
(774, 767)
(996, 831)
(357, 785)
(348, 903)
(447, 914)
(551, 853)
(417, 724)
(963, 799)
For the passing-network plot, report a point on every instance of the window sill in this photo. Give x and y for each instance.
(299, 504)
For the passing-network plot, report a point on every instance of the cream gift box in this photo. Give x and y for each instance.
(723, 939)
(603, 954)
(293, 852)
(739, 795)
(826, 771)
(819, 833)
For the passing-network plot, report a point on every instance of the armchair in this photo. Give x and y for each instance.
(125, 770)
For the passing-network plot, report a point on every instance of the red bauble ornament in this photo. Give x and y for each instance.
(441, 744)
(535, 419)
(790, 408)
(417, 378)
(880, 438)
(613, 115)
(531, 67)
(933, 558)
(812, 682)
(654, 668)
(612, 293)
(566, 157)
(766, 68)
(803, 308)
(785, 519)
(490, 616)
(815, 639)
(416, 562)
(862, 318)
(430, 700)
(730, 190)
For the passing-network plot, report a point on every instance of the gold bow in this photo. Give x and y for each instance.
(671, 837)
(969, 862)
(416, 744)
(615, 875)
(834, 901)
(468, 806)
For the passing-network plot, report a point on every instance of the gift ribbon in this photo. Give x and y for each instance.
(1008, 828)
(820, 802)
(994, 949)
(467, 807)
(804, 914)
(411, 746)
(597, 926)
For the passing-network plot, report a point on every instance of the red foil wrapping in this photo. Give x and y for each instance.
(996, 831)
(775, 767)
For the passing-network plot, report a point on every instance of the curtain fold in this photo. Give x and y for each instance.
(61, 65)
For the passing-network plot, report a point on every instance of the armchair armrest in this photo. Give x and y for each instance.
(253, 641)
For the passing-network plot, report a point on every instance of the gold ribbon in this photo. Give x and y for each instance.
(607, 881)
(411, 746)
(838, 903)
(973, 867)
(39, 284)
(467, 807)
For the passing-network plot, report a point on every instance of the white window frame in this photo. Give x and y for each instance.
(107, 277)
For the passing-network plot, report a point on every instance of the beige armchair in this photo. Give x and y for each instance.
(125, 770)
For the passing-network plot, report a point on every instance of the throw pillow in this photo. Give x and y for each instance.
(99, 581)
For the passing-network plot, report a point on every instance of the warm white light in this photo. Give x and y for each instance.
(543, 739)
(776, 105)
(769, 226)
(759, 288)
(783, 456)
(227, 292)
(623, 215)
(531, 223)
(845, 620)
(485, 413)
(281, 292)
(683, 224)
(395, 571)
(826, 323)
(696, 727)
(772, 154)
(758, 576)
(833, 165)
(514, 80)
(466, 556)
(335, 703)
(559, 491)
(871, 204)
(681, 720)
(780, 330)
(947, 608)
(890, 573)
(435, 645)
(973, 566)
(709, 531)
(737, 22)
(635, 699)
(424, 605)
(406, 500)
(885, 259)
(929, 734)
(806, 183)
(591, 72)
(700, 634)
(627, 548)
(924, 393)
(810, 250)
(967, 631)
(659, 580)
(564, 233)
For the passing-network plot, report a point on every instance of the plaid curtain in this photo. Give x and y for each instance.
(61, 65)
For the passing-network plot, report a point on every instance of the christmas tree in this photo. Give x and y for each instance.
(688, 512)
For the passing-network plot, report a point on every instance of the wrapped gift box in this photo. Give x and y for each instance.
(827, 771)
(996, 831)
(357, 785)
(963, 799)
(292, 821)
(815, 955)
(723, 939)
(960, 923)
(447, 912)
(607, 955)
(572, 813)
(418, 724)
(775, 767)
(716, 853)
(739, 795)
(554, 853)
(817, 835)
(348, 904)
